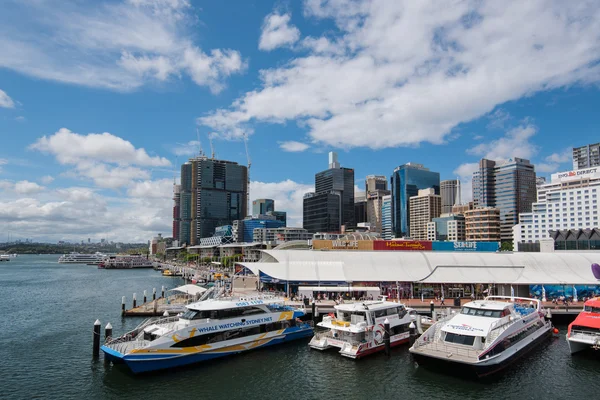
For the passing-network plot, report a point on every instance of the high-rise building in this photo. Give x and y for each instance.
(568, 201)
(213, 193)
(587, 156)
(450, 192)
(186, 205)
(360, 207)
(425, 206)
(257, 222)
(321, 212)
(482, 224)
(279, 216)
(406, 181)
(509, 186)
(387, 231)
(335, 181)
(374, 212)
(262, 206)
(375, 182)
(176, 210)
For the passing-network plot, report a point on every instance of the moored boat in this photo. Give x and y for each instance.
(125, 262)
(486, 336)
(4, 257)
(208, 329)
(80, 258)
(584, 331)
(357, 329)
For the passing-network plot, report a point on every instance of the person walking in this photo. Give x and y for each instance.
(442, 302)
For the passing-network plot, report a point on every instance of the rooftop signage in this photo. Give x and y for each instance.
(576, 174)
(415, 245)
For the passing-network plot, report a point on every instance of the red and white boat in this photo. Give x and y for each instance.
(584, 332)
(357, 329)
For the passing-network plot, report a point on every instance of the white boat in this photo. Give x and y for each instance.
(79, 258)
(357, 329)
(208, 329)
(584, 331)
(4, 257)
(125, 262)
(486, 336)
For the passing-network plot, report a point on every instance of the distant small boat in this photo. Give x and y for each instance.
(4, 257)
(168, 272)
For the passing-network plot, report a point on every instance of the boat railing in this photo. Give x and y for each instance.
(433, 333)
(582, 334)
(133, 334)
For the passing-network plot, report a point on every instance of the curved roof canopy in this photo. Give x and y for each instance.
(427, 267)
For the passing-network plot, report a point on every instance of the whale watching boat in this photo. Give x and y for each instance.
(79, 258)
(357, 329)
(584, 332)
(210, 328)
(486, 336)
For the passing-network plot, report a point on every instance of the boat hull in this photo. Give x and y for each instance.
(155, 362)
(483, 368)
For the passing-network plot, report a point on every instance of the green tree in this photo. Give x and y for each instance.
(506, 246)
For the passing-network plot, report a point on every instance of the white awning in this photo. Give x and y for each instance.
(339, 288)
(190, 289)
(568, 267)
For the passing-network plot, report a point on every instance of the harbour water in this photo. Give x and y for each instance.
(46, 353)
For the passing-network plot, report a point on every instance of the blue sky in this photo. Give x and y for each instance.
(100, 101)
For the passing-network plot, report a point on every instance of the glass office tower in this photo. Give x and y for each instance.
(406, 181)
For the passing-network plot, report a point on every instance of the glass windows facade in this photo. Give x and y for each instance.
(322, 212)
(406, 181)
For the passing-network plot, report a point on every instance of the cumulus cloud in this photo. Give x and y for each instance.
(288, 196)
(21, 187)
(5, 100)
(118, 45)
(515, 143)
(277, 32)
(47, 179)
(162, 188)
(293, 146)
(186, 149)
(460, 63)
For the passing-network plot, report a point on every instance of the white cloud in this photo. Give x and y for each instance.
(186, 149)
(288, 196)
(119, 45)
(545, 167)
(47, 179)
(72, 148)
(5, 100)
(3, 161)
(498, 119)
(21, 187)
(483, 53)
(293, 146)
(515, 143)
(565, 156)
(277, 32)
(162, 188)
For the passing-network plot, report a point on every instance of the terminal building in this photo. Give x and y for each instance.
(416, 274)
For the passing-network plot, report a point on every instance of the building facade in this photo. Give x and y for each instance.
(482, 225)
(406, 181)
(387, 231)
(262, 206)
(213, 193)
(569, 201)
(587, 156)
(375, 182)
(275, 236)
(360, 207)
(447, 227)
(423, 208)
(334, 183)
(322, 212)
(509, 186)
(176, 211)
(374, 209)
(450, 192)
(257, 222)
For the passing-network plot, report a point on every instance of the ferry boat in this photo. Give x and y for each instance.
(212, 328)
(584, 332)
(486, 336)
(357, 328)
(125, 262)
(79, 258)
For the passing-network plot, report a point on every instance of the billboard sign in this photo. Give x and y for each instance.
(465, 246)
(403, 245)
(576, 174)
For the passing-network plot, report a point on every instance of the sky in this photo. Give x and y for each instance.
(102, 101)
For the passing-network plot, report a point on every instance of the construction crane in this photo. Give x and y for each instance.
(249, 165)
(212, 149)
(200, 152)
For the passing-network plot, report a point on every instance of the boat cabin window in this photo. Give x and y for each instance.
(459, 339)
(481, 312)
(347, 315)
(592, 309)
(195, 314)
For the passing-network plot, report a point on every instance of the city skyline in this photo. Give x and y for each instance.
(91, 144)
